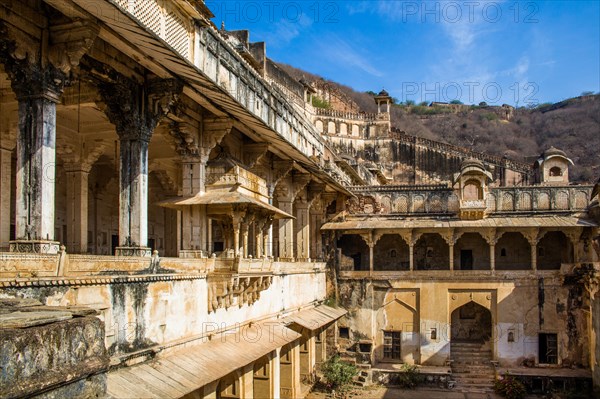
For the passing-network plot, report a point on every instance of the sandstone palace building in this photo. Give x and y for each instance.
(178, 220)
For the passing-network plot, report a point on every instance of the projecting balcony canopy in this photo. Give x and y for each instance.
(505, 222)
(315, 318)
(222, 202)
(185, 371)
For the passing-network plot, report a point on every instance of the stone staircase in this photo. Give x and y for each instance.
(472, 368)
(363, 378)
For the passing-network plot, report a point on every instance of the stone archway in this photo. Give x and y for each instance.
(471, 323)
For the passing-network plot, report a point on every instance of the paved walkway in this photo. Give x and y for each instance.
(393, 393)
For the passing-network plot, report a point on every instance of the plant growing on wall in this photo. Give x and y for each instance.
(320, 103)
(510, 387)
(339, 374)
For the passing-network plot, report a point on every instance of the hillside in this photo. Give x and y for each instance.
(522, 134)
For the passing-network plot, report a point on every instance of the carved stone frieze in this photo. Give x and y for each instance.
(227, 291)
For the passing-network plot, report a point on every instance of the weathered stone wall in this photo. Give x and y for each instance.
(153, 311)
(525, 306)
(61, 359)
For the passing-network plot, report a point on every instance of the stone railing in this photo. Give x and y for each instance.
(538, 198)
(29, 266)
(461, 151)
(442, 199)
(426, 199)
(337, 173)
(218, 61)
(331, 113)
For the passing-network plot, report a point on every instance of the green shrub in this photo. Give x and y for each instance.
(338, 373)
(510, 387)
(320, 103)
(409, 376)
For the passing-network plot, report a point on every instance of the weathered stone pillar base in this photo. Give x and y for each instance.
(144, 252)
(35, 246)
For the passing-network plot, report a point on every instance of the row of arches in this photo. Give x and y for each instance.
(470, 252)
(343, 129)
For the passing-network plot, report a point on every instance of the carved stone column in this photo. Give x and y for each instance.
(267, 229)
(302, 202)
(77, 210)
(135, 109)
(237, 217)
(492, 237)
(451, 237)
(286, 192)
(39, 71)
(5, 195)
(38, 90)
(191, 216)
(533, 236)
(411, 237)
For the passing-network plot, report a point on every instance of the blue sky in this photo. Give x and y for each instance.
(495, 51)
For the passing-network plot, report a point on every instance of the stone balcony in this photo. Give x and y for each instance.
(209, 57)
(23, 269)
(472, 209)
(441, 199)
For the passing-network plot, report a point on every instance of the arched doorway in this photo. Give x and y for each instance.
(471, 323)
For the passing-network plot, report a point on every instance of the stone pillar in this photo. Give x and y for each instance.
(77, 209)
(267, 235)
(302, 229)
(411, 238)
(491, 237)
(276, 373)
(5, 196)
(492, 256)
(38, 70)
(135, 109)
(38, 93)
(193, 218)
(237, 218)
(247, 382)
(286, 231)
(245, 232)
(451, 237)
(533, 236)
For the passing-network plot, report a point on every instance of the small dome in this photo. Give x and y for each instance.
(554, 151)
(471, 162)
(384, 93)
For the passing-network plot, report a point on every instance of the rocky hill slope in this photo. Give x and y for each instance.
(522, 134)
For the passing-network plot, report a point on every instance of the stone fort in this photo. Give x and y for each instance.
(177, 219)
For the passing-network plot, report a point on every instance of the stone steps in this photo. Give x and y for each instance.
(471, 367)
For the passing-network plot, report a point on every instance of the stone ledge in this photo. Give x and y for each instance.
(95, 280)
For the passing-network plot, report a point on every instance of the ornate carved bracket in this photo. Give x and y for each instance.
(410, 237)
(533, 235)
(36, 71)
(227, 291)
(70, 42)
(491, 236)
(76, 159)
(184, 137)
(451, 236)
(253, 153)
(213, 132)
(135, 108)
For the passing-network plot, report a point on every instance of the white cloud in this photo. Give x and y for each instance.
(345, 55)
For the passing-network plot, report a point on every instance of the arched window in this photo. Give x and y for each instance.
(503, 252)
(555, 171)
(472, 190)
